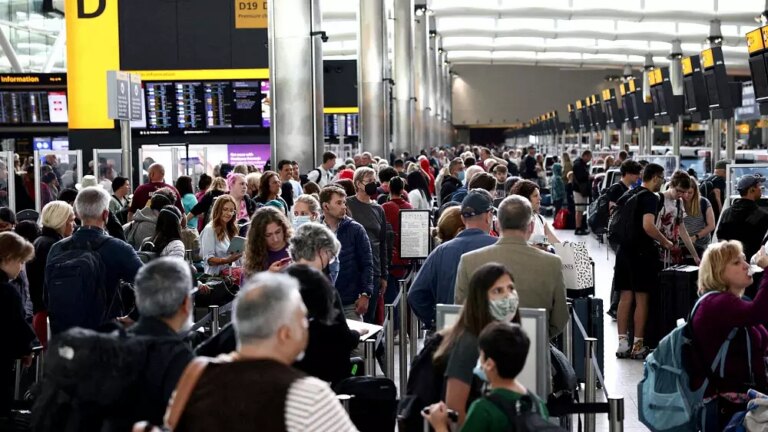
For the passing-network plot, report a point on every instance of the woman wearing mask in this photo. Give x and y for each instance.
(419, 196)
(17, 344)
(58, 220)
(215, 238)
(305, 209)
(266, 247)
(492, 297)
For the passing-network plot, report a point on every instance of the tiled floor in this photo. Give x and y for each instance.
(621, 376)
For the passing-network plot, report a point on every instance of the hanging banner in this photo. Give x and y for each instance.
(251, 14)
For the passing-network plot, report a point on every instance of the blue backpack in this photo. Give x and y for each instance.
(665, 401)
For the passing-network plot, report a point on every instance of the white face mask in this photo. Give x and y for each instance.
(504, 309)
(300, 220)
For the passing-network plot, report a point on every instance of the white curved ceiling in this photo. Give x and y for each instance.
(585, 33)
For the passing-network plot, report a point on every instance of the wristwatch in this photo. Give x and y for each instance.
(366, 295)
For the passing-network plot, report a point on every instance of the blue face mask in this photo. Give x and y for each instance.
(300, 220)
(479, 372)
(461, 176)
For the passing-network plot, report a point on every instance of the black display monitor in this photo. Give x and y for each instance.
(572, 117)
(667, 106)
(719, 90)
(696, 101)
(599, 121)
(33, 101)
(613, 115)
(626, 103)
(758, 66)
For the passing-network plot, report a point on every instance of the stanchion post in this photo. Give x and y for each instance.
(344, 399)
(589, 380)
(39, 364)
(370, 357)
(414, 335)
(215, 328)
(568, 334)
(17, 381)
(616, 414)
(390, 340)
(403, 329)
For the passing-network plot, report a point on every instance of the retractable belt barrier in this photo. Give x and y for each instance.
(212, 317)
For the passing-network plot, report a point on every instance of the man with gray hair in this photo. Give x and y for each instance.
(83, 272)
(259, 388)
(538, 275)
(163, 298)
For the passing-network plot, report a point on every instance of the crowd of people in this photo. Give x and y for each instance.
(300, 254)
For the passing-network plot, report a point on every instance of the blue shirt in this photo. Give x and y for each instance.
(435, 281)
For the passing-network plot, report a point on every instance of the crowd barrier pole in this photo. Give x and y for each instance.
(616, 414)
(17, 380)
(215, 328)
(344, 399)
(589, 381)
(39, 362)
(568, 334)
(403, 329)
(389, 311)
(414, 335)
(370, 357)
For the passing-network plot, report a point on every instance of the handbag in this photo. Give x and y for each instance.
(561, 219)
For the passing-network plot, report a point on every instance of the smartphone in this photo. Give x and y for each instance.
(236, 245)
(452, 415)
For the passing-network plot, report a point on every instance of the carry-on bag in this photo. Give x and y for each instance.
(589, 311)
(672, 300)
(373, 406)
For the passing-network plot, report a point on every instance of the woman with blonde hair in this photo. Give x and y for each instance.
(724, 314)
(699, 217)
(266, 246)
(58, 221)
(449, 225)
(216, 236)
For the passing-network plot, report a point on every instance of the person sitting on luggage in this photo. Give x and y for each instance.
(503, 350)
(215, 238)
(14, 252)
(266, 247)
(542, 232)
(491, 297)
(435, 281)
(120, 263)
(258, 388)
(724, 271)
(163, 297)
(144, 221)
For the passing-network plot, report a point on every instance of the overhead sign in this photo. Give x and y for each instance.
(251, 14)
(118, 95)
(137, 97)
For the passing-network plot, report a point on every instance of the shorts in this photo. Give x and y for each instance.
(636, 271)
(580, 201)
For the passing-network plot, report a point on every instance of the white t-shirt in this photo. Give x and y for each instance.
(418, 200)
(670, 215)
(210, 246)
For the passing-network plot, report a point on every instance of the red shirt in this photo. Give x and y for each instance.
(143, 193)
(392, 215)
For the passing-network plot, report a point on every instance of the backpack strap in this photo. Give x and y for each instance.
(184, 388)
(513, 409)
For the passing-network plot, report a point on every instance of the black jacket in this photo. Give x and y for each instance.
(449, 186)
(36, 268)
(166, 361)
(581, 177)
(746, 222)
(18, 337)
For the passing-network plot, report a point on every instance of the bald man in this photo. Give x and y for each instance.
(143, 193)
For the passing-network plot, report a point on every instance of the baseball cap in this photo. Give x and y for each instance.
(748, 181)
(475, 203)
(722, 164)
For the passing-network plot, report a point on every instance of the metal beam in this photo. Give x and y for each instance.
(5, 44)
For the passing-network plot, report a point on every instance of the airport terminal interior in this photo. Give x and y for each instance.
(383, 215)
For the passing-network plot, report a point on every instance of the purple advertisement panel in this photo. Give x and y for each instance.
(248, 154)
(266, 120)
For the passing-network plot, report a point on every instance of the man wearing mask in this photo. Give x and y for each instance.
(259, 386)
(452, 181)
(371, 216)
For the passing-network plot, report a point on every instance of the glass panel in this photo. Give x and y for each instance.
(106, 165)
(6, 167)
(55, 171)
(155, 154)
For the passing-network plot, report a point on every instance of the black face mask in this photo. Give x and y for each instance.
(371, 188)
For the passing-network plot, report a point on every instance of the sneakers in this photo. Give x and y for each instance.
(611, 313)
(581, 232)
(624, 350)
(639, 350)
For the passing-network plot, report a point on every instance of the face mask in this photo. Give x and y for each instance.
(479, 372)
(300, 220)
(460, 176)
(371, 188)
(504, 309)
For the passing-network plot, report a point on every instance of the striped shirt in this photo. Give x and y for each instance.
(694, 224)
(312, 406)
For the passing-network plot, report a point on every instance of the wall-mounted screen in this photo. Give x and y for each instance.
(33, 100)
(205, 107)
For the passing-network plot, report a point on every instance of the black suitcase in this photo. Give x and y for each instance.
(373, 407)
(673, 299)
(589, 310)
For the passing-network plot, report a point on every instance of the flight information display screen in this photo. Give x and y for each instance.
(205, 107)
(33, 100)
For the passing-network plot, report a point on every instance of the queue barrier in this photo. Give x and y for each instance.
(37, 363)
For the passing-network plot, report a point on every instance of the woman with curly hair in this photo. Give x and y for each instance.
(269, 190)
(266, 247)
(215, 238)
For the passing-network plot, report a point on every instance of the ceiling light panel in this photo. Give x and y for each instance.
(540, 24)
(571, 42)
(606, 5)
(624, 27)
(470, 23)
(455, 55)
(501, 42)
(453, 41)
(534, 4)
(667, 6)
(558, 56)
(507, 55)
(576, 25)
(685, 28)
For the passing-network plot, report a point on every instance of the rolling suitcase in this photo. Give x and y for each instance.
(673, 299)
(373, 406)
(589, 311)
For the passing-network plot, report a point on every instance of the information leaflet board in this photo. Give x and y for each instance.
(414, 234)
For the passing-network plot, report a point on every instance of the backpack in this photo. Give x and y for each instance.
(147, 252)
(598, 213)
(622, 226)
(425, 387)
(75, 282)
(523, 415)
(665, 401)
(707, 189)
(90, 381)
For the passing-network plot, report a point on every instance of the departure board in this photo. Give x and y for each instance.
(190, 108)
(160, 105)
(218, 104)
(33, 100)
(246, 108)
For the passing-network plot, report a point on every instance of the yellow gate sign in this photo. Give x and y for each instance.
(251, 14)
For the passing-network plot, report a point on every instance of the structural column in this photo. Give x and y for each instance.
(438, 92)
(648, 66)
(420, 77)
(296, 77)
(404, 109)
(371, 89)
(432, 127)
(676, 79)
(446, 99)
